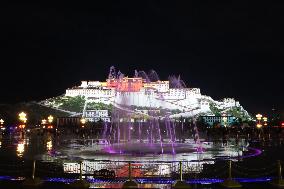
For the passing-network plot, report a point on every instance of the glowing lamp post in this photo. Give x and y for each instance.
(1, 122)
(23, 117)
(50, 119)
(43, 122)
(265, 121)
(258, 117)
(83, 122)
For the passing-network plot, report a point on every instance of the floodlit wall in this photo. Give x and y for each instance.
(134, 91)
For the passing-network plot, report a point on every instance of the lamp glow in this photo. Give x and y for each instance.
(83, 120)
(43, 122)
(258, 117)
(23, 117)
(50, 119)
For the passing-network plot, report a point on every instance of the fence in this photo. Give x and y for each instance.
(140, 169)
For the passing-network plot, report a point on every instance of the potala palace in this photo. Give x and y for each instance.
(144, 94)
(134, 92)
(138, 91)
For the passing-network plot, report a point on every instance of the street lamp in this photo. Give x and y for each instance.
(258, 117)
(265, 121)
(23, 117)
(1, 122)
(50, 119)
(83, 120)
(43, 122)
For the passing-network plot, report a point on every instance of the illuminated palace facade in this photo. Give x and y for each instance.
(137, 92)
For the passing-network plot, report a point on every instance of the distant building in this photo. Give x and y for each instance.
(142, 92)
(225, 120)
(138, 92)
(96, 115)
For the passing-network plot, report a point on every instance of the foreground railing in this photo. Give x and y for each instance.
(146, 172)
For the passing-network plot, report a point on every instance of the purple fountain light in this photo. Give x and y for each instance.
(133, 130)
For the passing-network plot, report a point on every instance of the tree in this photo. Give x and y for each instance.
(73, 104)
(214, 109)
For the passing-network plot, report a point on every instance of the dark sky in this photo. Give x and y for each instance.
(227, 50)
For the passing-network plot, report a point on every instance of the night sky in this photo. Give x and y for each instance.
(227, 50)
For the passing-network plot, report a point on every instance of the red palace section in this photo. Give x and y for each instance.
(126, 84)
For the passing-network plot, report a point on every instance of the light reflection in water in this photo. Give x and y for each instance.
(27, 141)
(49, 145)
(140, 169)
(20, 149)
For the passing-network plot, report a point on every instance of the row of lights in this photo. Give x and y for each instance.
(23, 119)
(259, 117)
(49, 120)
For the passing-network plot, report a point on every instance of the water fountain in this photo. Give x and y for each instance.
(139, 133)
(149, 138)
(134, 132)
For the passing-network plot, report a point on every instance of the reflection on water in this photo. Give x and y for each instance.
(144, 152)
(49, 145)
(22, 143)
(64, 154)
(145, 165)
(116, 185)
(139, 169)
(51, 148)
(60, 148)
(20, 149)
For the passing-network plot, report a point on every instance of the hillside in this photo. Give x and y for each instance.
(77, 104)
